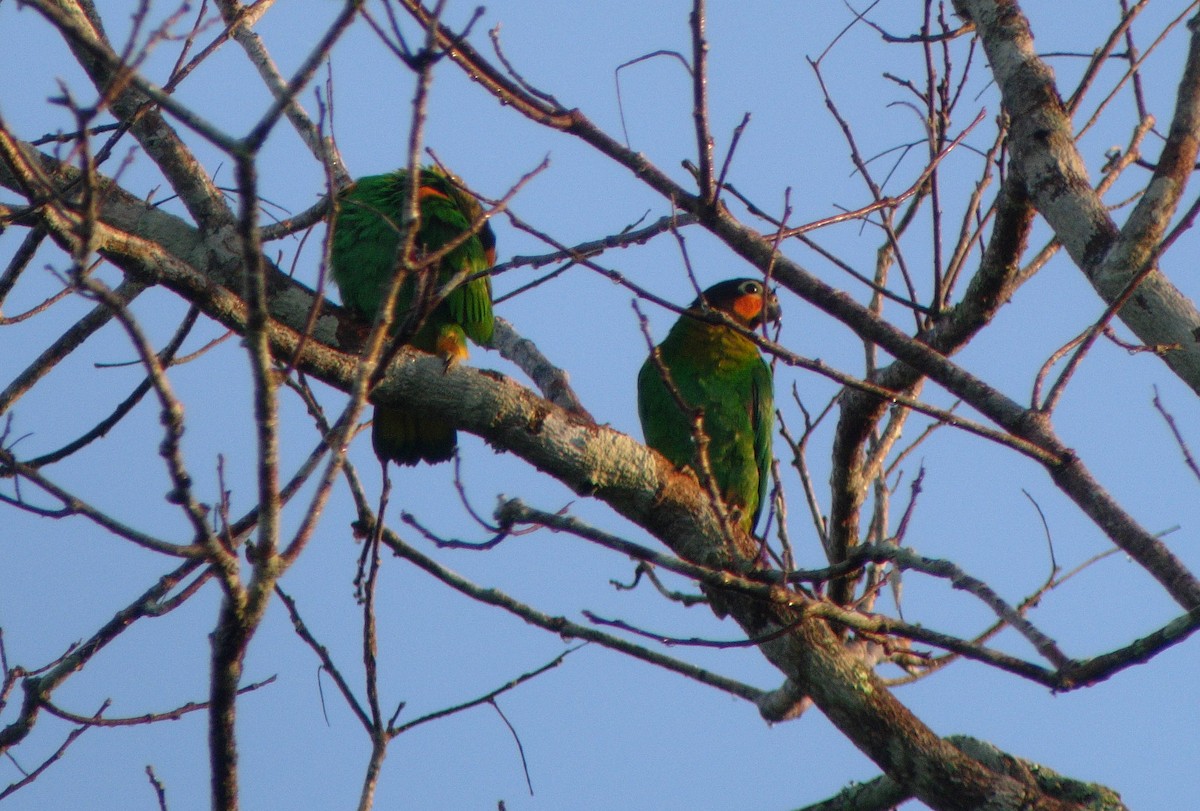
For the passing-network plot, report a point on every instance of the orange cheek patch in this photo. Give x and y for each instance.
(430, 191)
(748, 308)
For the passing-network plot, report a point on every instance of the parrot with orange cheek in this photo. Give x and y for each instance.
(717, 369)
(364, 244)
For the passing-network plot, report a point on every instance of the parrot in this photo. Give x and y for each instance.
(363, 259)
(716, 368)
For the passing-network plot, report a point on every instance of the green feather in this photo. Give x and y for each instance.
(715, 368)
(364, 248)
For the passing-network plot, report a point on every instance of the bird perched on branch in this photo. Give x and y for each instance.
(717, 374)
(365, 259)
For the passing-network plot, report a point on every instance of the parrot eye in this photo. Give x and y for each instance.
(751, 288)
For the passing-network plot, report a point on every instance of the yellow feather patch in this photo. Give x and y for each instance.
(452, 344)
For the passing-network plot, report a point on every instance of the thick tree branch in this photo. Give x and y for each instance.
(642, 486)
(1068, 472)
(1044, 155)
(133, 105)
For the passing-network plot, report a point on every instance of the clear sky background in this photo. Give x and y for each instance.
(601, 731)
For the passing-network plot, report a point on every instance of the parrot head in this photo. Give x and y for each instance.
(746, 301)
(438, 183)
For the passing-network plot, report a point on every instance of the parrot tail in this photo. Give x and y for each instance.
(410, 437)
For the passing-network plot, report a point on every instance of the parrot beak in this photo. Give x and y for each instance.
(772, 311)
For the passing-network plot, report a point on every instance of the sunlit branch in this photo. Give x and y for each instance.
(1188, 459)
(327, 663)
(486, 698)
(67, 342)
(704, 139)
(53, 758)
(187, 178)
(587, 250)
(39, 687)
(238, 23)
(148, 718)
(552, 381)
(73, 505)
(1135, 64)
(647, 570)
(19, 261)
(1072, 477)
(565, 627)
(166, 356)
(1102, 55)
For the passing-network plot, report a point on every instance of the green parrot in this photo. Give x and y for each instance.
(364, 259)
(715, 368)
